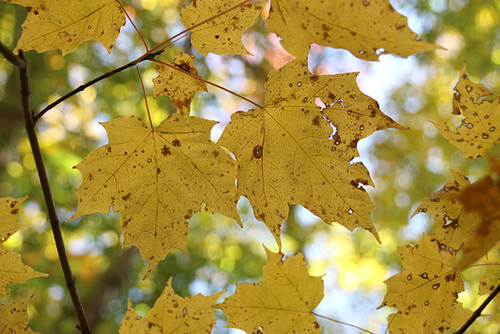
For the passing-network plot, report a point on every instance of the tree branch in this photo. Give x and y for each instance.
(148, 56)
(21, 64)
(477, 312)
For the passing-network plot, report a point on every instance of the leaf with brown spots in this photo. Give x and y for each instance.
(221, 35)
(172, 314)
(491, 279)
(9, 207)
(367, 28)
(282, 302)
(480, 127)
(178, 85)
(156, 179)
(64, 24)
(425, 293)
(14, 318)
(287, 154)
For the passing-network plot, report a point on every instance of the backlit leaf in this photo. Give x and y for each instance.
(64, 24)
(480, 127)
(287, 154)
(172, 314)
(221, 35)
(179, 86)
(156, 179)
(367, 28)
(14, 318)
(9, 207)
(282, 302)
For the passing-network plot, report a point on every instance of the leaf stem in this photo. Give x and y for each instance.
(477, 312)
(135, 27)
(208, 82)
(147, 56)
(145, 98)
(21, 64)
(341, 322)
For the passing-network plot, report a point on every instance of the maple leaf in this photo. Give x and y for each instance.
(366, 28)
(489, 281)
(9, 207)
(155, 179)
(64, 24)
(13, 270)
(286, 156)
(179, 86)
(221, 35)
(173, 314)
(477, 132)
(425, 293)
(15, 318)
(282, 302)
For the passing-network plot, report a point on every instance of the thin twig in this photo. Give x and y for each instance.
(477, 312)
(341, 322)
(21, 64)
(147, 56)
(135, 27)
(208, 82)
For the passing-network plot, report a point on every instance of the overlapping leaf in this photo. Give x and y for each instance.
(172, 314)
(425, 293)
(480, 128)
(14, 318)
(287, 154)
(282, 302)
(367, 28)
(64, 24)
(179, 86)
(9, 207)
(155, 179)
(221, 35)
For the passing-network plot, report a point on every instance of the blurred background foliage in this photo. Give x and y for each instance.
(406, 166)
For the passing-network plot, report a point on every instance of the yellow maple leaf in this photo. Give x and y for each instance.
(282, 302)
(9, 207)
(155, 179)
(14, 318)
(477, 132)
(425, 293)
(172, 314)
(13, 270)
(221, 35)
(286, 156)
(64, 24)
(366, 28)
(179, 86)
(489, 281)
(452, 223)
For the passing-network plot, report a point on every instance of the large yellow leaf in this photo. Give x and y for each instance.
(14, 318)
(64, 24)
(172, 314)
(425, 293)
(367, 28)
(9, 207)
(13, 270)
(221, 35)
(478, 131)
(286, 154)
(179, 86)
(155, 179)
(282, 302)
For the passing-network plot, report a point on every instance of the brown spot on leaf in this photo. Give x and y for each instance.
(176, 142)
(126, 197)
(257, 152)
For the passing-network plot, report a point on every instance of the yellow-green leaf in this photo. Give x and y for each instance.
(9, 207)
(156, 179)
(179, 86)
(172, 314)
(14, 318)
(287, 154)
(480, 127)
(367, 28)
(221, 35)
(13, 270)
(64, 24)
(282, 302)
(425, 293)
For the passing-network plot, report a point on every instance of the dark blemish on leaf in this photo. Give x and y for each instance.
(257, 152)
(409, 277)
(15, 211)
(424, 276)
(158, 171)
(315, 121)
(217, 36)
(215, 153)
(436, 286)
(126, 197)
(176, 143)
